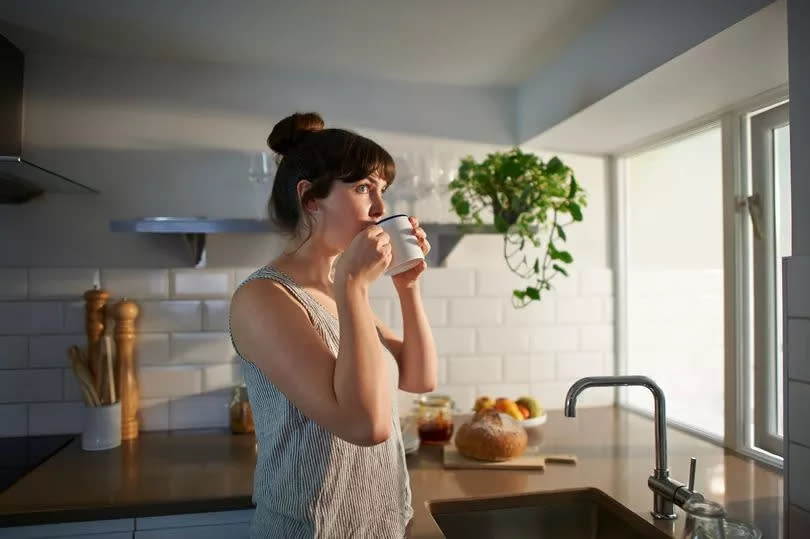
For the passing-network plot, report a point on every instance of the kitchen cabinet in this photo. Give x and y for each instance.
(119, 528)
(214, 525)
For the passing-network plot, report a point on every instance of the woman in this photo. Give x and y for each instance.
(323, 394)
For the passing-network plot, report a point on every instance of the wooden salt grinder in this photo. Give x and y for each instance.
(125, 313)
(95, 319)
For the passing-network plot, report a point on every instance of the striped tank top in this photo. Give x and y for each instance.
(308, 482)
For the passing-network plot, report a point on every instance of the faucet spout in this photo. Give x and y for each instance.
(611, 381)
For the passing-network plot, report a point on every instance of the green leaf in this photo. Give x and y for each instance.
(561, 232)
(536, 267)
(573, 189)
(565, 256)
(520, 294)
(560, 269)
(554, 166)
(533, 293)
(576, 211)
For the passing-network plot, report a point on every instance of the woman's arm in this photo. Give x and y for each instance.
(415, 353)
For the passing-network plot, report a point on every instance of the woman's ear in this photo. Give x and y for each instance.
(302, 187)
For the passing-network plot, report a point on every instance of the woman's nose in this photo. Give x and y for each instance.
(377, 207)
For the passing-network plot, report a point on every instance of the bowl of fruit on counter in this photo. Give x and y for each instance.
(526, 410)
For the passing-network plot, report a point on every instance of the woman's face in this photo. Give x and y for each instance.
(348, 209)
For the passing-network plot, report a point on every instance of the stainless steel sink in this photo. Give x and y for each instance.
(571, 514)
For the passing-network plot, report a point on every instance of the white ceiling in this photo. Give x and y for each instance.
(464, 42)
(745, 60)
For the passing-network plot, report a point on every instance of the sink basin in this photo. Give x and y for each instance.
(573, 514)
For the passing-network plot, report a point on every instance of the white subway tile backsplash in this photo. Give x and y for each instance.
(383, 288)
(797, 302)
(435, 309)
(13, 420)
(75, 317)
(799, 459)
(536, 313)
(607, 309)
(152, 349)
(542, 367)
(13, 283)
(61, 282)
(51, 350)
(153, 414)
(463, 396)
(465, 312)
(565, 287)
(448, 282)
(382, 308)
(13, 352)
(222, 376)
(497, 283)
(71, 392)
(474, 370)
(31, 385)
(169, 381)
(441, 370)
(30, 317)
(596, 282)
(200, 411)
(136, 283)
(208, 347)
(550, 395)
(55, 418)
(503, 340)
(170, 315)
(799, 412)
(454, 341)
(571, 366)
(516, 368)
(579, 311)
(555, 339)
(798, 351)
(215, 314)
(596, 338)
(199, 283)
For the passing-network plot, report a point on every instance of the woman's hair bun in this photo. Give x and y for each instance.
(288, 132)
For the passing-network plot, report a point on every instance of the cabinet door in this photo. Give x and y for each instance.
(120, 528)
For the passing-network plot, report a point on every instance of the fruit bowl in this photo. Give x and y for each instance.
(534, 421)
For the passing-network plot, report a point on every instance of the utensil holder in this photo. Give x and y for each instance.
(102, 427)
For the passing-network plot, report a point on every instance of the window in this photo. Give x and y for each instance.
(674, 283)
(768, 242)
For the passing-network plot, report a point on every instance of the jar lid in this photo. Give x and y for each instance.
(434, 400)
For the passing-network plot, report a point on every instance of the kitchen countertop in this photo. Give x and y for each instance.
(164, 473)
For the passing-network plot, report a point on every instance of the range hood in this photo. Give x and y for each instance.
(20, 179)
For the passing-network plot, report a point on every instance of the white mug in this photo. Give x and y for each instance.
(405, 250)
(102, 427)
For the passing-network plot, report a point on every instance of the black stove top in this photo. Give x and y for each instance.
(18, 456)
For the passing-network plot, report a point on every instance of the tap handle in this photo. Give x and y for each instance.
(692, 464)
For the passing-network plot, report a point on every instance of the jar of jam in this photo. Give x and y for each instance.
(434, 418)
(241, 414)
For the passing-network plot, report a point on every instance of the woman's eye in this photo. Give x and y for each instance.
(362, 188)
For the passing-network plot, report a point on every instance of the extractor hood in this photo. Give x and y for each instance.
(20, 179)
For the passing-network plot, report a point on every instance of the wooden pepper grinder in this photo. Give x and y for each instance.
(125, 312)
(95, 319)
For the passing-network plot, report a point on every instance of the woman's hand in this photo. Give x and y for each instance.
(366, 258)
(408, 278)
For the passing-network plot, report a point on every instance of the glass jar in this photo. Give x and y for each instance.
(704, 519)
(241, 414)
(434, 418)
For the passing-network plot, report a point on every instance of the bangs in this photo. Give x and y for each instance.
(362, 158)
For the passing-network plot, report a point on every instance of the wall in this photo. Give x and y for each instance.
(177, 140)
(796, 283)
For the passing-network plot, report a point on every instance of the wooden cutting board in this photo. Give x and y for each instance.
(530, 460)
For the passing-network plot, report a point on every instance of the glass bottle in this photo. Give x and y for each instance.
(241, 414)
(434, 418)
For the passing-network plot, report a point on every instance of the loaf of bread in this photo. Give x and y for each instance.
(488, 436)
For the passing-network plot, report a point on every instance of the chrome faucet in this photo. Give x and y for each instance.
(666, 491)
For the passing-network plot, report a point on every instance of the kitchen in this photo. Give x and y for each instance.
(160, 122)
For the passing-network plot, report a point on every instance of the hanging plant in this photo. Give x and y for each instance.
(531, 203)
